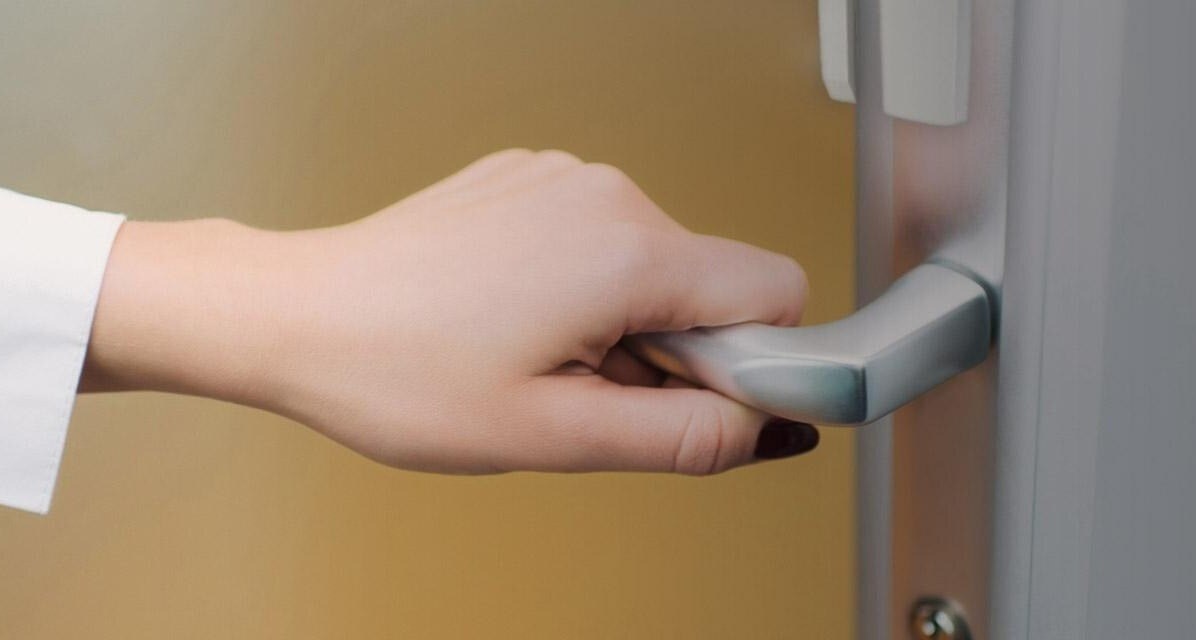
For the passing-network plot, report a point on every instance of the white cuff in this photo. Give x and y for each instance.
(52, 261)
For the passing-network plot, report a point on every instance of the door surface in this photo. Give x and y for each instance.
(1095, 515)
(1048, 493)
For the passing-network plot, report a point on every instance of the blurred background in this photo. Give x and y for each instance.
(185, 518)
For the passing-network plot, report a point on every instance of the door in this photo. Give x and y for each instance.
(1048, 493)
(1094, 512)
(1037, 157)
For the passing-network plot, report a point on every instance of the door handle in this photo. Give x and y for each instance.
(932, 323)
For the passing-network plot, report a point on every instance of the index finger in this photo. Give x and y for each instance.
(707, 281)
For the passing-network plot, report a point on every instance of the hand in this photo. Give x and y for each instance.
(473, 327)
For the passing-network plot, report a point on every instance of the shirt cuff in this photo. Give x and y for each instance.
(52, 261)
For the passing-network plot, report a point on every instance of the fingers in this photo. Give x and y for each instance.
(676, 279)
(588, 423)
(697, 280)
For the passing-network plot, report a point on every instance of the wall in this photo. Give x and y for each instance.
(177, 517)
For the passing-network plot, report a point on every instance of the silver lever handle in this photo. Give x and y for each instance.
(931, 324)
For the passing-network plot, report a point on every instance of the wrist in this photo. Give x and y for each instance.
(188, 307)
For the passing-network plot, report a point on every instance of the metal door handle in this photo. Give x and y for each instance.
(932, 323)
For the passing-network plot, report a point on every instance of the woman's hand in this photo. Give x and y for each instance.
(470, 328)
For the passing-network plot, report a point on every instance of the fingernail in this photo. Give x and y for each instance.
(782, 438)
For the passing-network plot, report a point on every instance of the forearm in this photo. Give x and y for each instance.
(187, 307)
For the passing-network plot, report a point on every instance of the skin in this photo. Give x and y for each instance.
(472, 327)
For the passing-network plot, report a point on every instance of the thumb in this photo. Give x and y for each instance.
(592, 424)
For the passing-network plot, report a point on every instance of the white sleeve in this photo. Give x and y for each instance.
(52, 260)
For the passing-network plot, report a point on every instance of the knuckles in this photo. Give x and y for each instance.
(704, 445)
(556, 157)
(604, 177)
(595, 176)
(631, 236)
(634, 254)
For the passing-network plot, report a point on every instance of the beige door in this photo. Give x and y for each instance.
(178, 517)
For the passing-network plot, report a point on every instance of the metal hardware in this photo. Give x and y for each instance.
(931, 324)
(938, 619)
(925, 59)
(923, 191)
